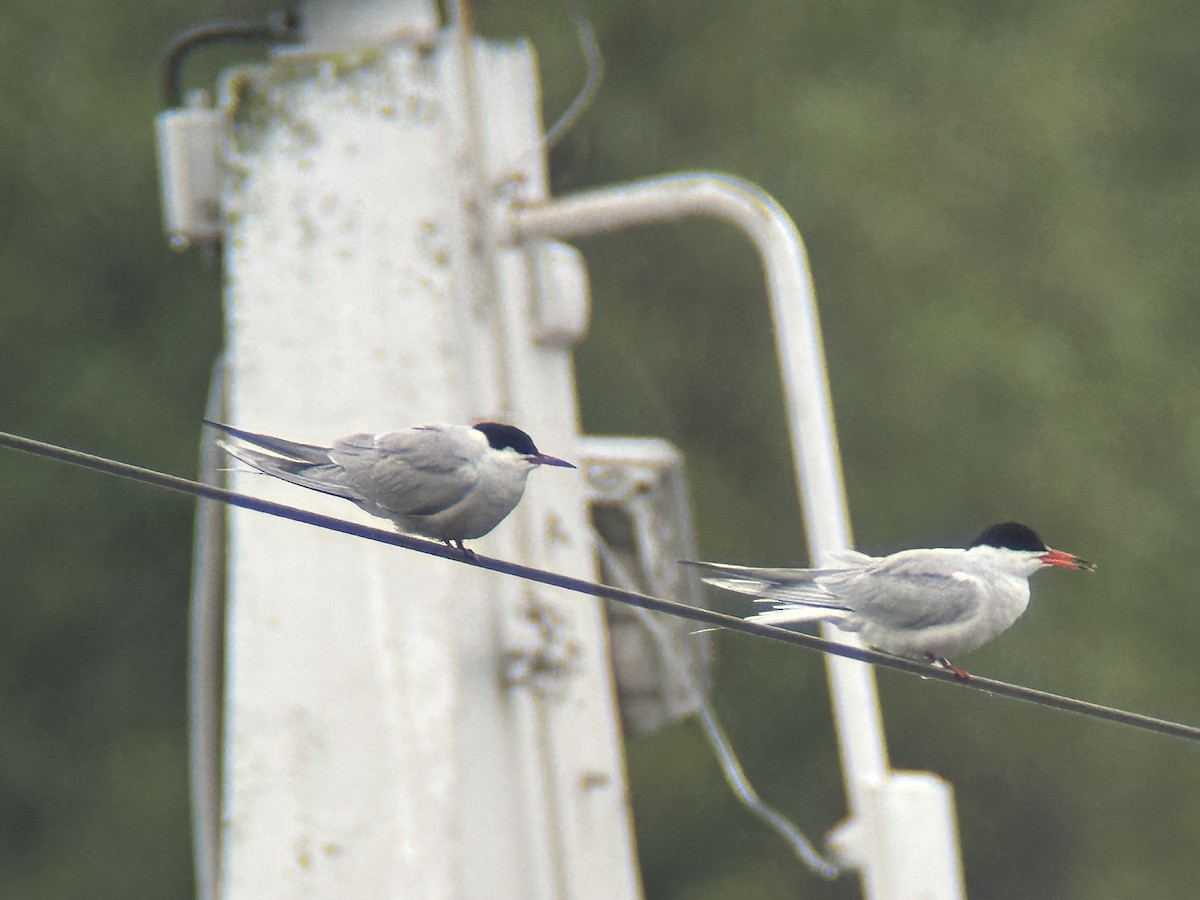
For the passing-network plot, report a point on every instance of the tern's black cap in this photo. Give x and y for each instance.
(1010, 536)
(508, 437)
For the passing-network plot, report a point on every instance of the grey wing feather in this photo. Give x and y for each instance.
(892, 592)
(306, 452)
(782, 586)
(902, 600)
(326, 477)
(414, 472)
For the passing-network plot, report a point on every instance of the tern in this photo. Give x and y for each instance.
(452, 483)
(920, 604)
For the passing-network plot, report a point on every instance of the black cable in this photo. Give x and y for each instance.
(707, 617)
(280, 27)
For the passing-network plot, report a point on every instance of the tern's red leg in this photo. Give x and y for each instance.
(960, 674)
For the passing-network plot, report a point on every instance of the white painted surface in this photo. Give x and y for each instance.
(373, 745)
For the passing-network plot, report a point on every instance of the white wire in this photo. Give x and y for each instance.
(591, 85)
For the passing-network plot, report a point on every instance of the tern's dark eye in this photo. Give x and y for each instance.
(506, 437)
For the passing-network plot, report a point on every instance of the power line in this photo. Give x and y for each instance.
(578, 585)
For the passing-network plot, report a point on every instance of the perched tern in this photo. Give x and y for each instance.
(451, 483)
(922, 604)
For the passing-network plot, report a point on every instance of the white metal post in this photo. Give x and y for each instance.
(378, 742)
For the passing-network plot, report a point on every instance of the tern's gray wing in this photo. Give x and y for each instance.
(909, 594)
(415, 472)
(304, 464)
(310, 453)
(782, 586)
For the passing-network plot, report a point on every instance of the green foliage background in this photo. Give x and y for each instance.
(1001, 206)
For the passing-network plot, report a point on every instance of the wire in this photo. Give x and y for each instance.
(574, 112)
(591, 85)
(579, 586)
(280, 27)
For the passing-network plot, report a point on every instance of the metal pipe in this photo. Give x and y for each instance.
(806, 389)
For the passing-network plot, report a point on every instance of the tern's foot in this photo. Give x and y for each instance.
(461, 548)
(960, 674)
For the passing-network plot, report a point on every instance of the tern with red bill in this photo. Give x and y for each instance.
(452, 483)
(921, 604)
